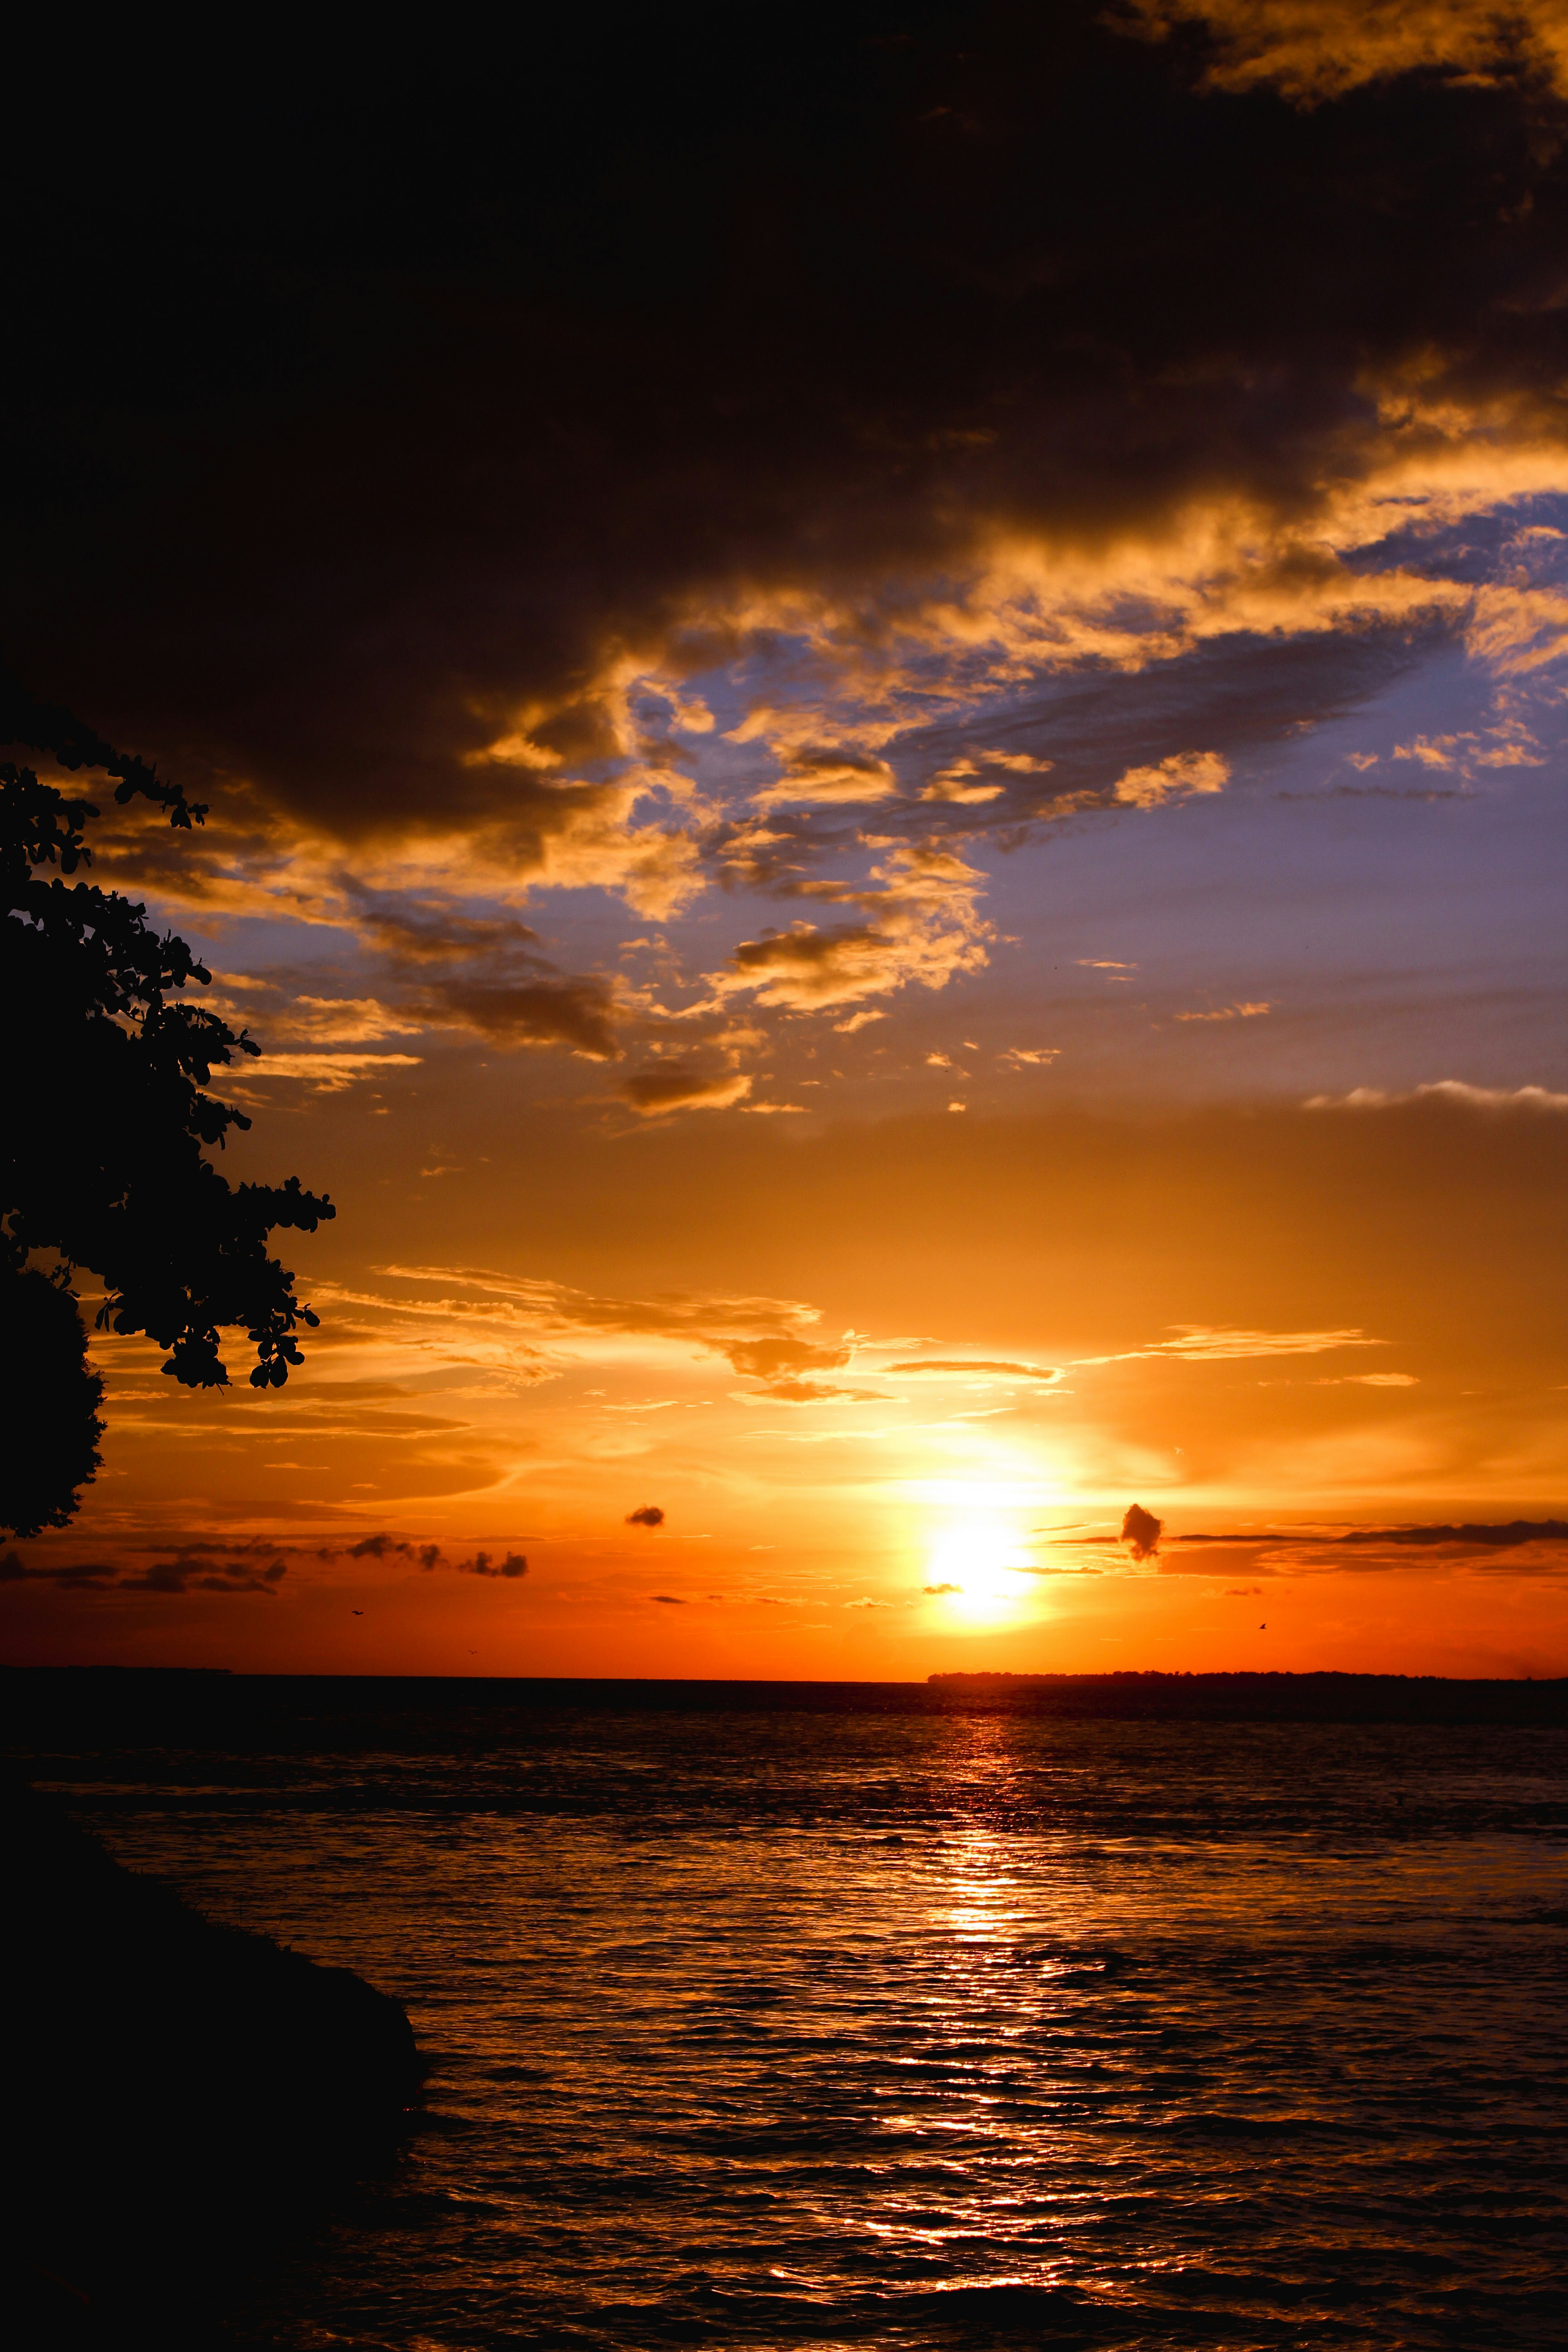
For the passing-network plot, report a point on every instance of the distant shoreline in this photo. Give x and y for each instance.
(117, 1697)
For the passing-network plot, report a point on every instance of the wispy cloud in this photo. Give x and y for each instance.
(1230, 1013)
(1454, 1091)
(1200, 1343)
(327, 1073)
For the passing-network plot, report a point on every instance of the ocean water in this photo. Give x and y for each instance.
(758, 2026)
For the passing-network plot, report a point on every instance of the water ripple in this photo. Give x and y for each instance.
(824, 2030)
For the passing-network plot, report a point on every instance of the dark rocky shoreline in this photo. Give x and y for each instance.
(176, 2090)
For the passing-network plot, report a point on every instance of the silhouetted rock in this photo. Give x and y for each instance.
(164, 2074)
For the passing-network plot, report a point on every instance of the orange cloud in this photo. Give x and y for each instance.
(1314, 50)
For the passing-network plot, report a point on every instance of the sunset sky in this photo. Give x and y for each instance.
(884, 706)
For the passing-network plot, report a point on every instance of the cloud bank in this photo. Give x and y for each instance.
(501, 532)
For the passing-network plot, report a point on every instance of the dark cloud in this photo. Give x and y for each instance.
(1506, 1537)
(1142, 1530)
(88, 1576)
(181, 1577)
(417, 453)
(1240, 693)
(464, 971)
(683, 1085)
(414, 932)
(670, 1600)
(952, 1364)
(1483, 1535)
(648, 1515)
(427, 1556)
(186, 1573)
(1292, 1551)
(383, 1546)
(511, 1565)
(576, 1013)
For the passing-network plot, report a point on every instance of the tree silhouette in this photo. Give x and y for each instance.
(108, 1129)
(52, 1426)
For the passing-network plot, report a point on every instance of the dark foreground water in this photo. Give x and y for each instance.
(765, 2028)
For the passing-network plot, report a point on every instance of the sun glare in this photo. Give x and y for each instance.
(980, 1571)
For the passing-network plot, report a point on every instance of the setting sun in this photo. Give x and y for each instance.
(978, 1570)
